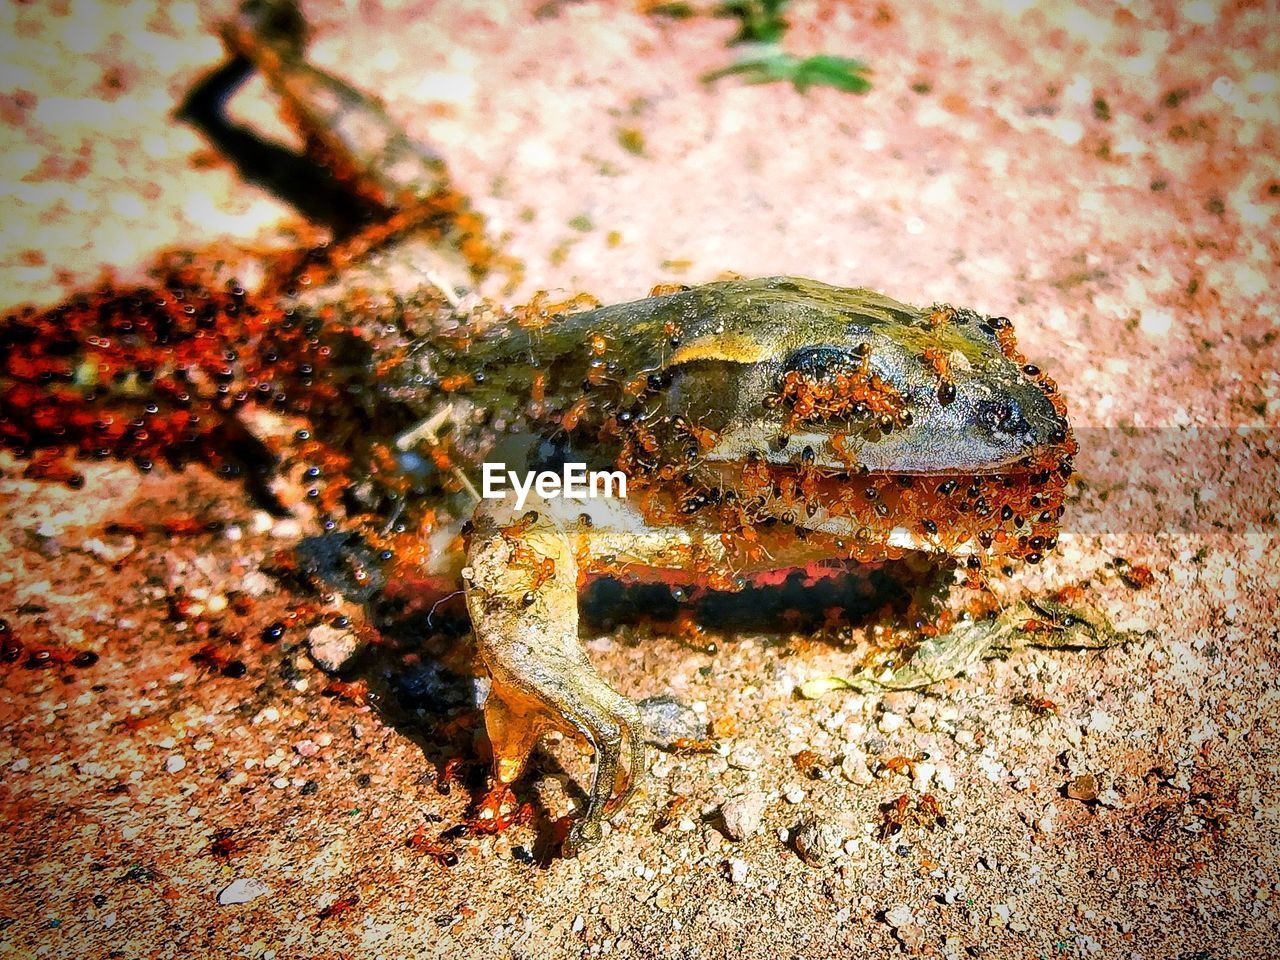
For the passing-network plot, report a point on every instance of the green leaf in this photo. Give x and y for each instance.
(843, 73)
(759, 21)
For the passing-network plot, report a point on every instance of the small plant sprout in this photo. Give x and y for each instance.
(761, 59)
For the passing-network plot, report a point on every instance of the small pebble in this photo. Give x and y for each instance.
(286, 529)
(331, 648)
(667, 720)
(794, 793)
(1109, 797)
(738, 870)
(898, 701)
(175, 763)
(898, 916)
(742, 814)
(109, 553)
(1100, 722)
(1083, 788)
(922, 776)
(745, 757)
(912, 937)
(945, 778)
(853, 766)
(891, 722)
(256, 583)
(242, 890)
(818, 841)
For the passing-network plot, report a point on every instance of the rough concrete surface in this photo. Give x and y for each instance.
(1104, 173)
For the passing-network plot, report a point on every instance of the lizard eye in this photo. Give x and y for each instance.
(1004, 416)
(822, 364)
(827, 383)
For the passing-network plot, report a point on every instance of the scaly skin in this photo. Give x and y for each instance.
(762, 424)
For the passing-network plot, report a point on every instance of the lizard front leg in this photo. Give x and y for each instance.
(521, 584)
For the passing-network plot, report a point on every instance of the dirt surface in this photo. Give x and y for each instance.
(1105, 174)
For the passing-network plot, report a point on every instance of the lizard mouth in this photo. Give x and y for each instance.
(992, 436)
(873, 515)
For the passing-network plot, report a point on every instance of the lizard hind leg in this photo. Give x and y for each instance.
(378, 186)
(342, 125)
(521, 586)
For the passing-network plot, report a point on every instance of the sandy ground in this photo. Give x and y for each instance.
(1105, 174)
